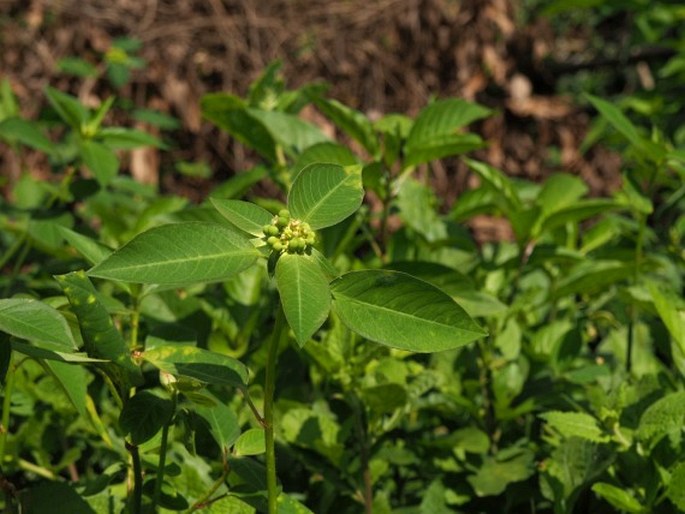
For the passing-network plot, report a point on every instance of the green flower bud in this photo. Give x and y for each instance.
(278, 246)
(282, 221)
(271, 230)
(284, 213)
(273, 240)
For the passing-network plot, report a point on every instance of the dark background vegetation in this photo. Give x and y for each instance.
(380, 56)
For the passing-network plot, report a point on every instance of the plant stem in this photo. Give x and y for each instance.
(136, 501)
(205, 500)
(639, 245)
(6, 407)
(269, 388)
(162, 456)
(362, 433)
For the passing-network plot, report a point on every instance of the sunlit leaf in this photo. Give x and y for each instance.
(325, 194)
(179, 253)
(304, 293)
(398, 310)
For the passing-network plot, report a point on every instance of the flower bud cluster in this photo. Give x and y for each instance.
(286, 234)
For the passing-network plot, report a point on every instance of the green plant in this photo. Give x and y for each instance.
(120, 382)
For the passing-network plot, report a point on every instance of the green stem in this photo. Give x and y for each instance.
(136, 500)
(639, 249)
(6, 407)
(269, 389)
(363, 435)
(135, 318)
(162, 456)
(205, 500)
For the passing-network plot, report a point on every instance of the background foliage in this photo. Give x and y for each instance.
(573, 402)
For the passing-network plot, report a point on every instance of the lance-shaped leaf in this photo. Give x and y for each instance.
(92, 250)
(229, 113)
(100, 160)
(353, 122)
(25, 132)
(52, 355)
(435, 132)
(179, 253)
(68, 107)
(401, 311)
(36, 322)
(304, 293)
(325, 194)
(245, 216)
(498, 182)
(100, 337)
(292, 133)
(203, 365)
(73, 381)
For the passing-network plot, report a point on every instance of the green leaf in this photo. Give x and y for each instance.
(578, 424)
(42, 353)
(666, 304)
(100, 160)
(559, 191)
(676, 486)
(435, 132)
(73, 380)
(325, 194)
(203, 365)
(664, 417)
(572, 465)
(90, 249)
(36, 322)
(590, 276)
(8, 102)
(442, 146)
(144, 415)
(292, 133)
(229, 113)
(327, 152)
(619, 498)
(288, 505)
(179, 253)
(400, 311)
(250, 442)
(622, 124)
(582, 210)
(101, 338)
(245, 216)
(498, 182)
(417, 204)
(223, 423)
(25, 132)
(384, 398)
(55, 498)
(121, 138)
(238, 184)
(352, 122)
(77, 67)
(69, 108)
(304, 293)
(494, 476)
